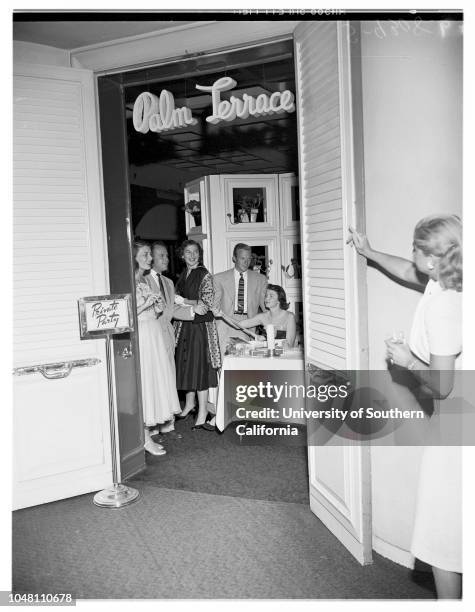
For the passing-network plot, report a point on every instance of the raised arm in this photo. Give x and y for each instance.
(401, 268)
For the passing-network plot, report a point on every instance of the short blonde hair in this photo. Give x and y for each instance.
(441, 236)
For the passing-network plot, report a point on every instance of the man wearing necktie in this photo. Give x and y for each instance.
(164, 286)
(240, 293)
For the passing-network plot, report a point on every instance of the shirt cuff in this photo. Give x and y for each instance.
(192, 312)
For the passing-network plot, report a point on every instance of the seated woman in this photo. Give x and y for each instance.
(277, 315)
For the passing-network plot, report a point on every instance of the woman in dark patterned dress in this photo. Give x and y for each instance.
(197, 354)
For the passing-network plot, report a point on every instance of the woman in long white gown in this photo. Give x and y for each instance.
(159, 395)
(434, 355)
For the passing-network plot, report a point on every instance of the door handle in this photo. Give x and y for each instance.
(126, 352)
(53, 371)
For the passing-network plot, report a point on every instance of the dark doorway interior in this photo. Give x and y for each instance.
(161, 164)
(144, 176)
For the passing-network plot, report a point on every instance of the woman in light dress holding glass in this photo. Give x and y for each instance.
(159, 395)
(433, 355)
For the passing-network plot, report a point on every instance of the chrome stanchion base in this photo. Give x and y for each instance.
(116, 496)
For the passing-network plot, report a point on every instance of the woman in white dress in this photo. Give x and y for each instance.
(159, 394)
(434, 356)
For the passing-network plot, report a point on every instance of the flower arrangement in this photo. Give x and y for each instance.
(192, 207)
(249, 204)
(248, 207)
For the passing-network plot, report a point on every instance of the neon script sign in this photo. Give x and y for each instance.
(158, 114)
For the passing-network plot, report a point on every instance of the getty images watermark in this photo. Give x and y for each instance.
(332, 408)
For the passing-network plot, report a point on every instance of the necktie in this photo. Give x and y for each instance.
(241, 294)
(162, 289)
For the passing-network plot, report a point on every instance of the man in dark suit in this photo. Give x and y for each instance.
(239, 293)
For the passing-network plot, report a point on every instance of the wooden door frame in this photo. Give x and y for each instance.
(112, 134)
(118, 216)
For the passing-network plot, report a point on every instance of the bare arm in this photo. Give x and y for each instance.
(401, 268)
(291, 331)
(252, 322)
(437, 377)
(148, 301)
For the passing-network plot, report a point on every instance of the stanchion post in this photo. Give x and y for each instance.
(118, 495)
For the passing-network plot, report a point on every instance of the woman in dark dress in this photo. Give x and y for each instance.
(197, 354)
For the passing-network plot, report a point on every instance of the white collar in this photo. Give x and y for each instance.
(237, 273)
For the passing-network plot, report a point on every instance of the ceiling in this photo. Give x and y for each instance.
(74, 34)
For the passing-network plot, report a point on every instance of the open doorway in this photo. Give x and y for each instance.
(160, 167)
(162, 164)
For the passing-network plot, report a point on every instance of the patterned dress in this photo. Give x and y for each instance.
(197, 354)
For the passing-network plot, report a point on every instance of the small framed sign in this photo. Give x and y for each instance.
(104, 315)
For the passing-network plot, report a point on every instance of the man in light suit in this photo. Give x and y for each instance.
(239, 293)
(164, 286)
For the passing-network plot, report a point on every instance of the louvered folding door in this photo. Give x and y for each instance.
(61, 428)
(332, 280)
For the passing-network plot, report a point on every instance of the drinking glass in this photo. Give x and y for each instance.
(396, 336)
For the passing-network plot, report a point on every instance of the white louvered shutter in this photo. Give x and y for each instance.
(339, 475)
(329, 267)
(54, 253)
(61, 437)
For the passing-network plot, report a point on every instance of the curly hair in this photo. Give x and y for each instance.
(181, 249)
(441, 236)
(280, 295)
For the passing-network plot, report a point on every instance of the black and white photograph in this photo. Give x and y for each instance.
(237, 258)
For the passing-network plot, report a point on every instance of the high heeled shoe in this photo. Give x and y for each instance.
(205, 426)
(183, 418)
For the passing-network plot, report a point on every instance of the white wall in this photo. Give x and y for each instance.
(412, 109)
(31, 53)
